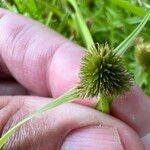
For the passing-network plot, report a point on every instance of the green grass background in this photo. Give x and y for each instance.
(109, 21)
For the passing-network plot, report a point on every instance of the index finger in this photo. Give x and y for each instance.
(33, 54)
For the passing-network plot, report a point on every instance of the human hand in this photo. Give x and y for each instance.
(47, 65)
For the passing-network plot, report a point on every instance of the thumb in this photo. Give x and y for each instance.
(93, 138)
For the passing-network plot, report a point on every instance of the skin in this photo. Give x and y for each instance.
(36, 66)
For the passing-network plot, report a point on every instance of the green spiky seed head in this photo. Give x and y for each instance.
(103, 73)
(142, 54)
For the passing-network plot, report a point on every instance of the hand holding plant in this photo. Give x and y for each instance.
(28, 83)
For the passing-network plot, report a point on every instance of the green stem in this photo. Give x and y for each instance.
(49, 18)
(82, 26)
(67, 97)
(103, 104)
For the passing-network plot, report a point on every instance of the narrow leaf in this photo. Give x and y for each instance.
(82, 25)
(129, 40)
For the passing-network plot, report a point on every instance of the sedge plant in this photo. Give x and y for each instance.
(142, 56)
(102, 73)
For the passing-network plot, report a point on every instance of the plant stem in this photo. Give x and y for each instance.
(67, 97)
(103, 104)
(82, 26)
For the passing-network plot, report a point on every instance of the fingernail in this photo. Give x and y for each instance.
(93, 138)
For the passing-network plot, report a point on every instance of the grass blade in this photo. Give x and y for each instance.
(32, 6)
(19, 5)
(82, 25)
(129, 40)
(67, 97)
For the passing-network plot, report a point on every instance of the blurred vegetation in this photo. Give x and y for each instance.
(109, 21)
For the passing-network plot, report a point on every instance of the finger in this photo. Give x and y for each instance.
(4, 72)
(70, 126)
(133, 108)
(28, 49)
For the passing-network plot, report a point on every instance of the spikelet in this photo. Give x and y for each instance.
(103, 73)
(142, 54)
